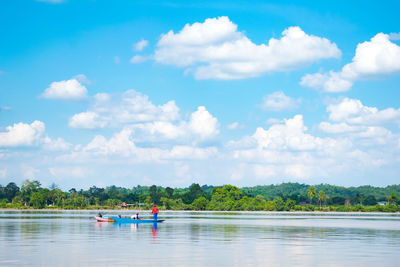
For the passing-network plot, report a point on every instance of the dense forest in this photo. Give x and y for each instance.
(282, 197)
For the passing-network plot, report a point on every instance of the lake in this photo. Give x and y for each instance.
(74, 238)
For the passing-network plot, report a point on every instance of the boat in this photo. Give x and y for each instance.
(129, 220)
(103, 219)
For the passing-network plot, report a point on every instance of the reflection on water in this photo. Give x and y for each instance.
(73, 238)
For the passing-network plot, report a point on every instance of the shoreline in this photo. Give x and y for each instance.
(205, 211)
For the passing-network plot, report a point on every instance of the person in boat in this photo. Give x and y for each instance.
(100, 215)
(155, 212)
(136, 217)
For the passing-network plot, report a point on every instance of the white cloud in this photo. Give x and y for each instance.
(66, 90)
(121, 144)
(139, 59)
(362, 124)
(148, 122)
(278, 101)
(352, 111)
(287, 136)
(203, 124)
(142, 44)
(58, 144)
(287, 151)
(215, 49)
(330, 82)
(376, 57)
(28, 135)
(335, 128)
(120, 109)
(86, 120)
(22, 134)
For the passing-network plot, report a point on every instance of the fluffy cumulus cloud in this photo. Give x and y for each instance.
(27, 135)
(286, 150)
(129, 107)
(22, 134)
(373, 58)
(288, 136)
(123, 145)
(352, 111)
(87, 120)
(67, 90)
(154, 142)
(215, 49)
(278, 101)
(355, 139)
(147, 121)
(364, 125)
(201, 126)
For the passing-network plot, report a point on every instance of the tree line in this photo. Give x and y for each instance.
(282, 197)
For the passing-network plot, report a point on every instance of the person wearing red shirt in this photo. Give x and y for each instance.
(155, 212)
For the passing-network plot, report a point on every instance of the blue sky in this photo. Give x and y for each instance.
(133, 92)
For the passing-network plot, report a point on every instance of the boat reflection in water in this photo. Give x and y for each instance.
(135, 227)
(154, 230)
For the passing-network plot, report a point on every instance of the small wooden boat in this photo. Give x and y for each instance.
(129, 220)
(103, 219)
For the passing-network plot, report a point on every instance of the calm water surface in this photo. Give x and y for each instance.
(74, 238)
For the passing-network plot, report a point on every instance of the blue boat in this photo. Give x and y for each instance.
(129, 220)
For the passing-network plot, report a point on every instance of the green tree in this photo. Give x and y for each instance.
(225, 198)
(200, 203)
(169, 191)
(370, 201)
(10, 191)
(393, 198)
(279, 204)
(321, 197)
(289, 204)
(27, 189)
(360, 199)
(56, 197)
(194, 193)
(38, 200)
(154, 194)
(311, 193)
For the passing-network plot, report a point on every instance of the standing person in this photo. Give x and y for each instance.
(155, 212)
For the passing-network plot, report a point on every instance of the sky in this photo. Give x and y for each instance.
(127, 93)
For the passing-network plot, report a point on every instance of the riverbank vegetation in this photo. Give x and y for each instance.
(282, 197)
